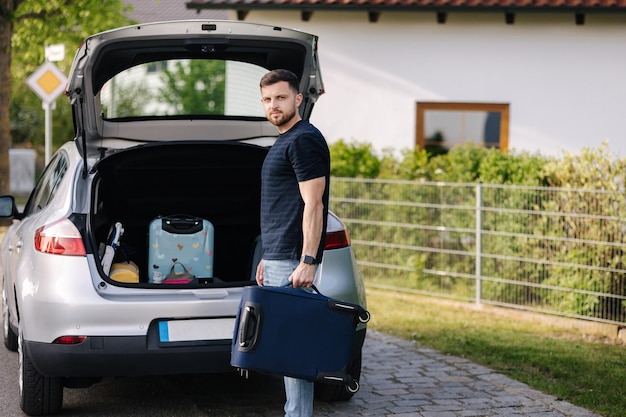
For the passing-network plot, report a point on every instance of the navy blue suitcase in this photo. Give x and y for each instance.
(291, 332)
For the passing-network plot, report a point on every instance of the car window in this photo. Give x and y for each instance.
(184, 87)
(48, 184)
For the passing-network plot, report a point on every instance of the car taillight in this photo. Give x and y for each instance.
(60, 238)
(337, 239)
(69, 340)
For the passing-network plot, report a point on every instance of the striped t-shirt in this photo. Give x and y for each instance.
(300, 154)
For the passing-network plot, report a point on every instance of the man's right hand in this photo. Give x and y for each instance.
(259, 273)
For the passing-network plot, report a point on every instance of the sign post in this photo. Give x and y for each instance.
(48, 82)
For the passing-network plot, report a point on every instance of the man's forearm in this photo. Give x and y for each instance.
(312, 224)
(312, 192)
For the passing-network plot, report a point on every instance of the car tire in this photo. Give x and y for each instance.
(9, 336)
(39, 395)
(335, 392)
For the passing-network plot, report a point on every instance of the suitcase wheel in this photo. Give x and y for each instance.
(353, 387)
(364, 318)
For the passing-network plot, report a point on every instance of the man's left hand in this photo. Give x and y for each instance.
(303, 276)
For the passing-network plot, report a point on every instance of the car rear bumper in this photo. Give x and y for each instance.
(134, 356)
(106, 356)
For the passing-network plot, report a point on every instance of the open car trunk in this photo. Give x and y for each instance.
(217, 181)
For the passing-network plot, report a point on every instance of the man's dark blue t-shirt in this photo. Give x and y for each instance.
(300, 154)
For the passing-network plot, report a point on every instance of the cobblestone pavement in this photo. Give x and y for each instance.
(401, 379)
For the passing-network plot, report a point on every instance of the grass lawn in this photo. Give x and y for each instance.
(570, 359)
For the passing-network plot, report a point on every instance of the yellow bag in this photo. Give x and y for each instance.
(125, 272)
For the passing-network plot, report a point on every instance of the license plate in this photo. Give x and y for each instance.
(200, 329)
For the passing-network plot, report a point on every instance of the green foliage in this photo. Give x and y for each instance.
(356, 160)
(597, 171)
(559, 250)
(466, 163)
(592, 168)
(196, 88)
(129, 101)
(521, 169)
(389, 166)
(413, 166)
(460, 164)
(46, 22)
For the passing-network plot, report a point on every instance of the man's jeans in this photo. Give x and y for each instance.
(298, 391)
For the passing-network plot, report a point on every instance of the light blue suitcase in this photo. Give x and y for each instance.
(181, 240)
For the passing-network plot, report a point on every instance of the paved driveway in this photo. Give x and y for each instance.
(399, 380)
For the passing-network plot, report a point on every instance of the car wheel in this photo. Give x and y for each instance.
(334, 392)
(10, 338)
(39, 395)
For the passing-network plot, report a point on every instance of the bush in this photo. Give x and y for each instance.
(354, 160)
(565, 227)
(466, 163)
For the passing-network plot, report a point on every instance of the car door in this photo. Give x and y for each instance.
(40, 197)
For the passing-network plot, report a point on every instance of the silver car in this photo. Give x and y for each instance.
(168, 121)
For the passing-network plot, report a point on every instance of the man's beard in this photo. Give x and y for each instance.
(283, 119)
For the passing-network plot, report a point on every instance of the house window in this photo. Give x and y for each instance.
(441, 126)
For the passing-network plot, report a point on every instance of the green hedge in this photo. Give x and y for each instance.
(549, 185)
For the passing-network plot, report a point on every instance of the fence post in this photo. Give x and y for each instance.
(479, 198)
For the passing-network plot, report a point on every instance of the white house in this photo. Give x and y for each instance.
(144, 11)
(529, 75)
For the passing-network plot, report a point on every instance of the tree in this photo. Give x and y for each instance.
(7, 9)
(25, 28)
(196, 87)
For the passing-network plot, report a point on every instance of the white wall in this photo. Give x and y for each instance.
(566, 84)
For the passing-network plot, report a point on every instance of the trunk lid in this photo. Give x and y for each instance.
(183, 81)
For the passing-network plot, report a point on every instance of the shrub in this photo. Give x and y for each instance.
(354, 160)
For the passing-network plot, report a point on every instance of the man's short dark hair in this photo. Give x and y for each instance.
(279, 75)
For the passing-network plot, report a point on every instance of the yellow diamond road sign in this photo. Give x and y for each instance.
(48, 81)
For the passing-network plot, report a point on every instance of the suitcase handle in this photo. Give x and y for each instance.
(363, 315)
(181, 224)
(313, 287)
(357, 310)
(249, 328)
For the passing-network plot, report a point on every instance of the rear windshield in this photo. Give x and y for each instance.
(184, 87)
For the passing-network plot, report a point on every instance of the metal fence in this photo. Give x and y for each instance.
(552, 250)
